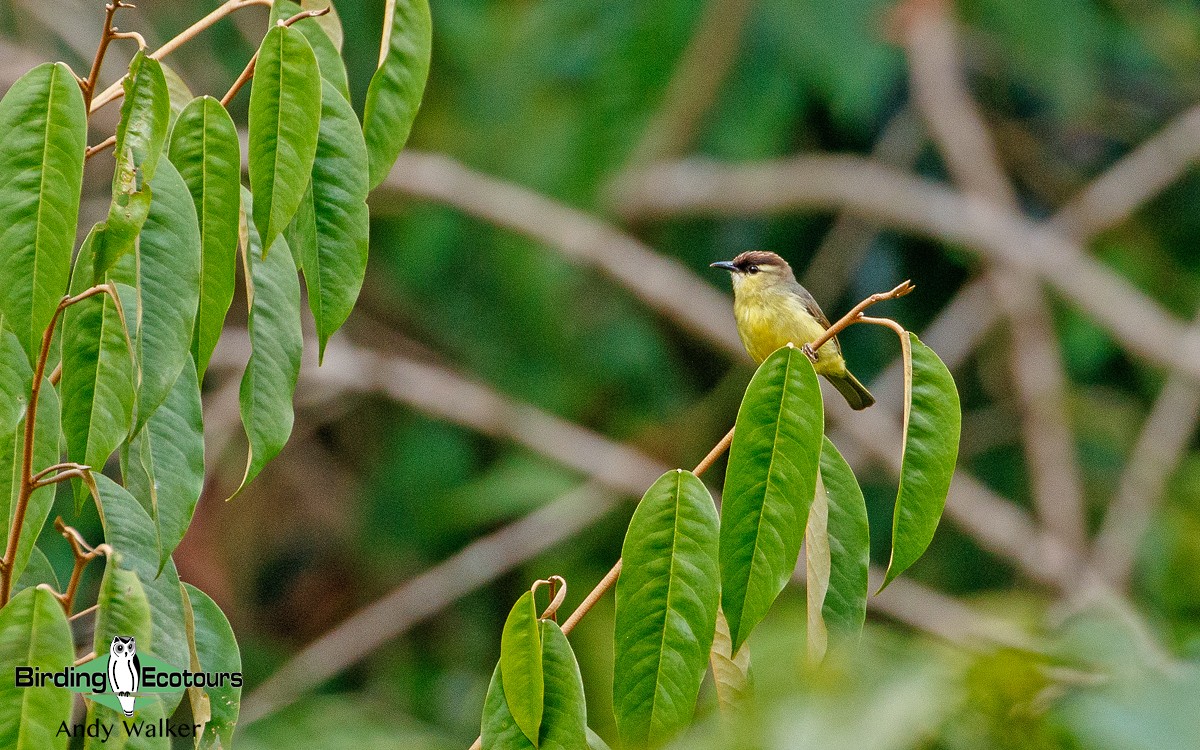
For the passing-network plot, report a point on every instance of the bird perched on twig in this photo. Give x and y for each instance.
(773, 310)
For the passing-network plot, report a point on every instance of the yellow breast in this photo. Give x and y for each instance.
(770, 321)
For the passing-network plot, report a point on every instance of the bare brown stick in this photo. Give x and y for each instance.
(958, 127)
(106, 36)
(115, 91)
(27, 483)
(58, 467)
(84, 554)
(102, 146)
(856, 314)
(248, 72)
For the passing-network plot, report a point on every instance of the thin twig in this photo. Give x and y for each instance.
(115, 91)
(103, 145)
(248, 72)
(83, 553)
(27, 483)
(106, 36)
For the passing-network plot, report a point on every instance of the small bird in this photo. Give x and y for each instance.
(773, 310)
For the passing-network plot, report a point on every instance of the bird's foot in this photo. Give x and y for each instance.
(809, 352)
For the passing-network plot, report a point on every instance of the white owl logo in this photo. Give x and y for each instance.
(124, 671)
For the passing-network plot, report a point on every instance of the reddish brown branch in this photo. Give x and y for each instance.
(84, 553)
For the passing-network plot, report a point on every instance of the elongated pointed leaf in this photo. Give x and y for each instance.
(216, 650)
(34, 632)
(177, 91)
(167, 278)
(276, 345)
(44, 126)
(15, 376)
(666, 614)
(845, 606)
(816, 557)
(564, 711)
(164, 463)
(932, 423)
(141, 133)
(301, 233)
(769, 487)
(46, 451)
(129, 530)
(398, 84)
(204, 147)
(98, 380)
(334, 265)
(285, 112)
(318, 33)
(731, 672)
(122, 608)
(38, 571)
(521, 666)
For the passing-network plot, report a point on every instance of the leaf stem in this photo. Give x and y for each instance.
(106, 36)
(83, 555)
(114, 92)
(28, 484)
(248, 72)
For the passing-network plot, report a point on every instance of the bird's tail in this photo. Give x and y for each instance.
(855, 393)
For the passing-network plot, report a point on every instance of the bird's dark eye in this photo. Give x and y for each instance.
(752, 269)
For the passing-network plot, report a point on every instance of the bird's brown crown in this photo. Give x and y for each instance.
(759, 258)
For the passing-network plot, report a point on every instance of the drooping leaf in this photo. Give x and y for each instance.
(285, 112)
(318, 33)
(98, 379)
(122, 608)
(204, 147)
(336, 263)
(167, 278)
(564, 712)
(164, 463)
(816, 558)
(666, 612)
(38, 571)
(769, 487)
(141, 133)
(46, 451)
(301, 233)
(130, 531)
(178, 92)
(216, 650)
(731, 672)
(845, 605)
(34, 632)
(44, 123)
(276, 344)
(521, 666)
(932, 423)
(15, 377)
(398, 84)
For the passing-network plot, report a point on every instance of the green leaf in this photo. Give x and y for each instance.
(816, 556)
(38, 571)
(301, 233)
(204, 147)
(564, 713)
(98, 380)
(845, 606)
(666, 612)
(521, 666)
(216, 650)
(769, 487)
(167, 278)
(318, 33)
(44, 122)
(164, 465)
(398, 84)
(285, 113)
(129, 530)
(15, 377)
(46, 452)
(731, 672)
(178, 93)
(122, 608)
(276, 343)
(932, 423)
(34, 632)
(334, 265)
(141, 133)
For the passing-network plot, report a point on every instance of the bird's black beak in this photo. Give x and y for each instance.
(725, 264)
